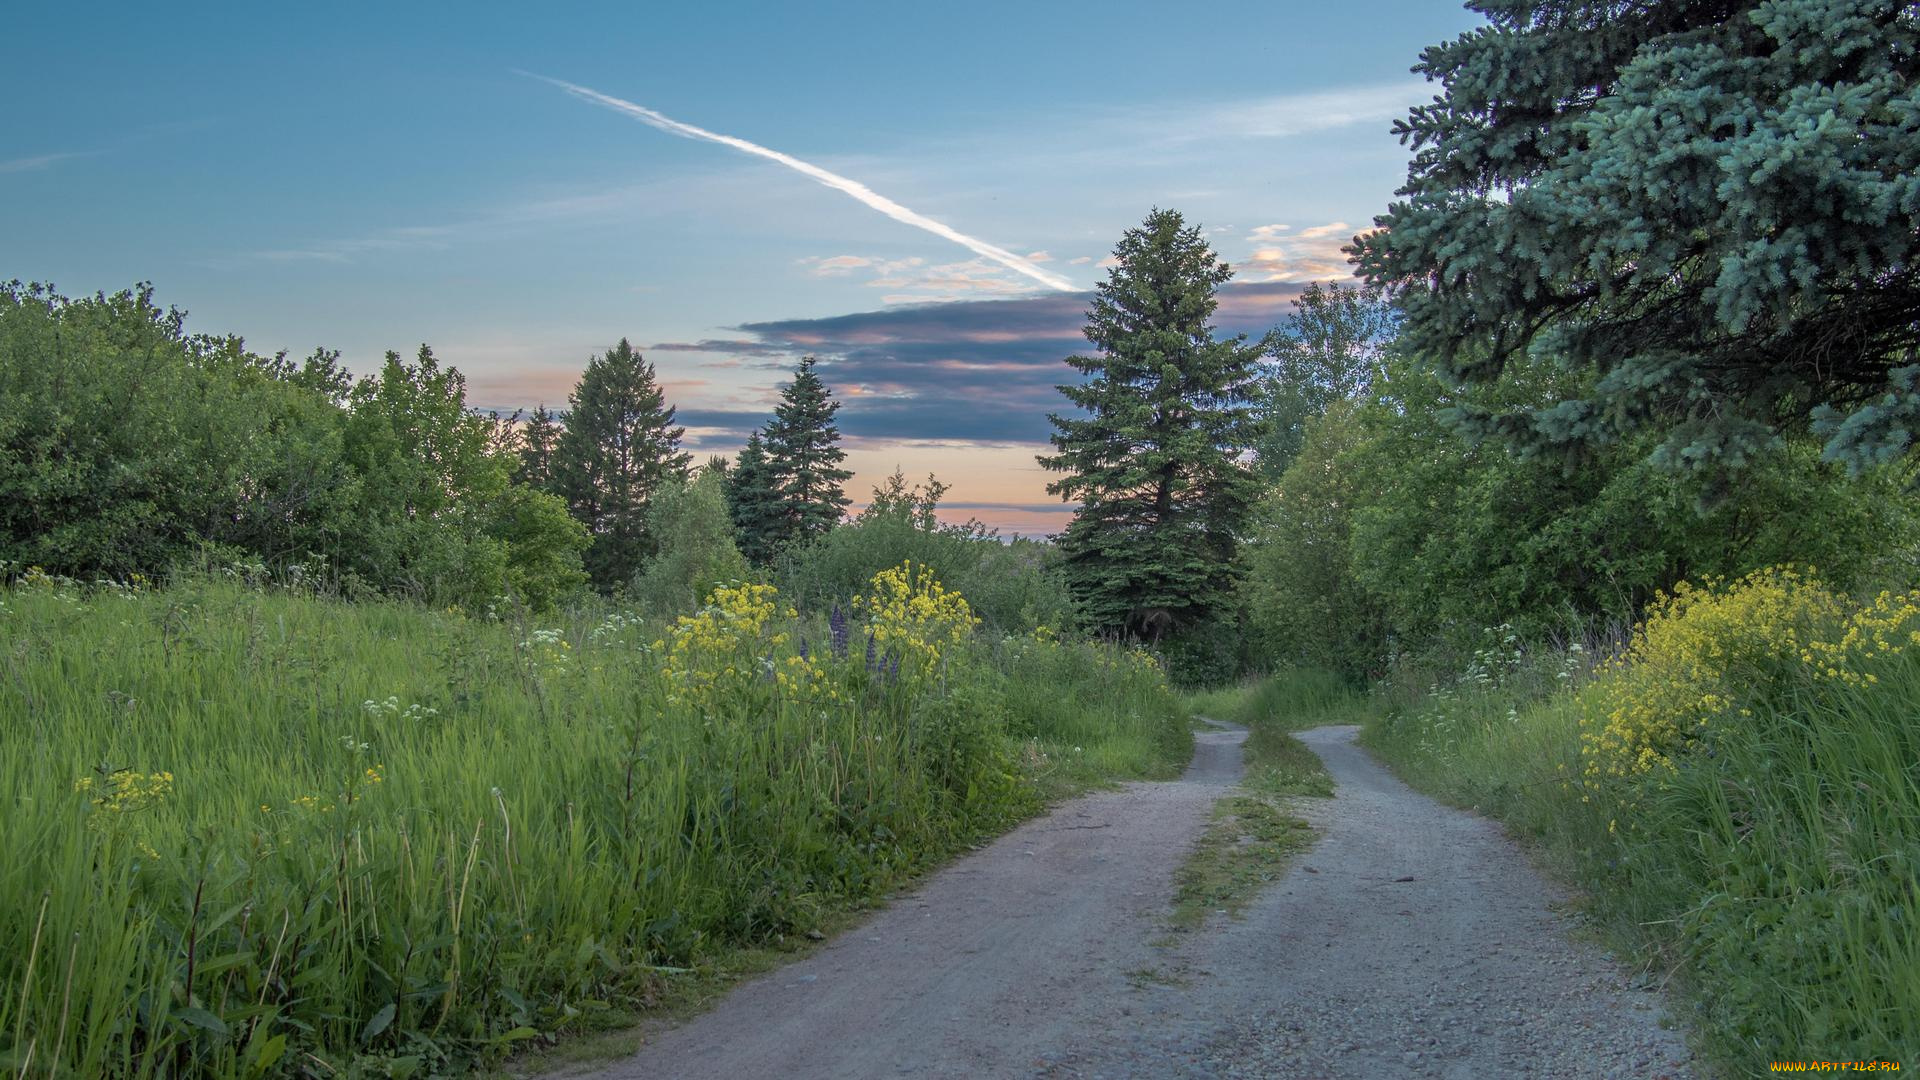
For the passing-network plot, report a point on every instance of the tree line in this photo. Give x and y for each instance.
(1575, 370)
(1636, 317)
(129, 445)
(616, 448)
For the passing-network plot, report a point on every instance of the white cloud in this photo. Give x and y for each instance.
(1296, 114)
(916, 281)
(1282, 254)
(836, 266)
(1333, 228)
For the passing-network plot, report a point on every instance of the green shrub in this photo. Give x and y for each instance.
(696, 555)
(1014, 586)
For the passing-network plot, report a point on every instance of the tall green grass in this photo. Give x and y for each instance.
(396, 840)
(1771, 874)
(1291, 700)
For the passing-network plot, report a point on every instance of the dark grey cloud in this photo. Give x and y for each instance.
(968, 371)
(715, 345)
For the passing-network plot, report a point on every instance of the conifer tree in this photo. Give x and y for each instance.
(802, 446)
(753, 501)
(1709, 212)
(620, 445)
(1155, 463)
(539, 440)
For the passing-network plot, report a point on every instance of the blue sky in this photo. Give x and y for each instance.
(373, 177)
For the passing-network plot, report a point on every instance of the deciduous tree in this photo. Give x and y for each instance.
(539, 442)
(1329, 350)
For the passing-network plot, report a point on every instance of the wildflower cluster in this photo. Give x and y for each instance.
(1494, 662)
(120, 792)
(361, 775)
(727, 643)
(548, 651)
(124, 790)
(913, 618)
(390, 710)
(618, 630)
(1697, 657)
(1884, 629)
(1134, 660)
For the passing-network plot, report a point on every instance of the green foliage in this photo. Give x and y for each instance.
(538, 443)
(1155, 462)
(1773, 869)
(1307, 606)
(125, 443)
(1013, 585)
(1209, 652)
(697, 553)
(372, 838)
(1714, 209)
(618, 449)
(804, 456)
(544, 543)
(1293, 699)
(428, 476)
(1391, 533)
(753, 502)
(1330, 350)
(130, 445)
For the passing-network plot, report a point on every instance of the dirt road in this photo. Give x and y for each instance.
(1413, 940)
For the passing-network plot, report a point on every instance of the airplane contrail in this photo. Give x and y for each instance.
(859, 191)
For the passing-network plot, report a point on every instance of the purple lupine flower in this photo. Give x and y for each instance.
(870, 650)
(892, 668)
(837, 625)
(803, 650)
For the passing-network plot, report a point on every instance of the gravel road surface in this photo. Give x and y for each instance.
(1414, 940)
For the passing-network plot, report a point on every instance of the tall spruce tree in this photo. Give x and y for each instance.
(753, 501)
(1712, 210)
(802, 445)
(1155, 463)
(539, 441)
(620, 445)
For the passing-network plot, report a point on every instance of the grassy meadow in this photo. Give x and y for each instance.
(1735, 784)
(251, 830)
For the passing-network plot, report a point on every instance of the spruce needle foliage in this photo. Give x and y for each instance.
(1155, 462)
(753, 501)
(1713, 207)
(804, 455)
(619, 448)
